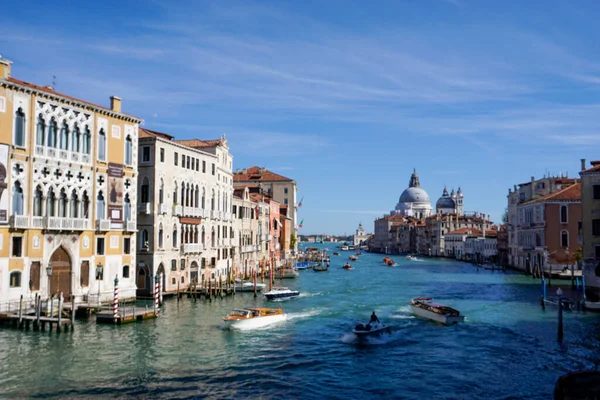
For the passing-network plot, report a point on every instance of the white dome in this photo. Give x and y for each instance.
(414, 195)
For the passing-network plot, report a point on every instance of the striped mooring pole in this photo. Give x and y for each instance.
(160, 289)
(155, 293)
(116, 300)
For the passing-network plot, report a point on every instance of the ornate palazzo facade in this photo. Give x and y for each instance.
(69, 180)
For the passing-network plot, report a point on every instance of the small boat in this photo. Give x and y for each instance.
(386, 260)
(336, 253)
(247, 286)
(358, 253)
(409, 257)
(250, 318)
(344, 248)
(375, 329)
(391, 263)
(353, 258)
(347, 266)
(281, 293)
(321, 268)
(288, 273)
(578, 385)
(302, 265)
(426, 308)
(566, 274)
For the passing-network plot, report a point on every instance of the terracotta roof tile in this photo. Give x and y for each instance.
(595, 167)
(257, 174)
(144, 133)
(197, 143)
(570, 193)
(48, 89)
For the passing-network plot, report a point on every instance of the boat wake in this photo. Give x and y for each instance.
(307, 314)
(351, 338)
(310, 294)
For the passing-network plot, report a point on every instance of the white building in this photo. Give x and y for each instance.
(360, 237)
(414, 201)
(248, 239)
(480, 247)
(184, 210)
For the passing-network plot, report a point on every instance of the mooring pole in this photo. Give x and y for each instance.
(560, 316)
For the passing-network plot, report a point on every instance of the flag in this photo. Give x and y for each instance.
(300, 204)
(301, 222)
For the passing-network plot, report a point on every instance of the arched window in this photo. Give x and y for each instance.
(20, 128)
(74, 205)
(145, 191)
(75, 139)
(160, 237)
(212, 238)
(174, 236)
(182, 194)
(37, 202)
(64, 136)
(212, 201)
(174, 192)
(197, 197)
(40, 131)
(183, 277)
(62, 204)
(100, 206)
(144, 239)
(218, 199)
(86, 205)
(161, 191)
(203, 237)
(102, 145)
(50, 203)
(125, 271)
(128, 150)
(52, 128)
(127, 208)
(203, 198)
(563, 214)
(15, 279)
(564, 239)
(174, 281)
(87, 141)
(17, 199)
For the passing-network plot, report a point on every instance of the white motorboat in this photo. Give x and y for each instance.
(281, 293)
(344, 248)
(374, 329)
(247, 286)
(251, 318)
(426, 308)
(289, 273)
(409, 257)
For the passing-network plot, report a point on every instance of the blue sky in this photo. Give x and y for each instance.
(346, 97)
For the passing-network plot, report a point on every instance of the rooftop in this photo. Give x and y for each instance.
(570, 193)
(258, 174)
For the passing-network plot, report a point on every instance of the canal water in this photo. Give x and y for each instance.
(506, 349)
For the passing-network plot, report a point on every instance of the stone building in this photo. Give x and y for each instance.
(360, 237)
(245, 224)
(184, 210)
(590, 202)
(414, 201)
(67, 182)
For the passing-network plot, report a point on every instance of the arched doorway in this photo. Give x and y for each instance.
(60, 280)
(193, 272)
(161, 269)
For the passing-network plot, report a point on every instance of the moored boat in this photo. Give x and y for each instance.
(247, 286)
(426, 308)
(250, 318)
(592, 305)
(281, 293)
(321, 268)
(344, 248)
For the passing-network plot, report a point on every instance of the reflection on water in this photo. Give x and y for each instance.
(506, 348)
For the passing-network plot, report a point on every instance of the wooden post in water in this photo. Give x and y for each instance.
(178, 292)
(38, 311)
(60, 309)
(254, 283)
(73, 309)
(20, 311)
(543, 293)
(560, 316)
(210, 290)
(271, 277)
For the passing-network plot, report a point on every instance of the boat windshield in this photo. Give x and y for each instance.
(240, 313)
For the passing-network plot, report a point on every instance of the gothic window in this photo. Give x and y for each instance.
(212, 238)
(203, 237)
(17, 199)
(40, 131)
(75, 139)
(212, 201)
(52, 139)
(174, 192)
(74, 205)
(160, 237)
(203, 197)
(86, 205)
(37, 202)
(62, 204)
(182, 194)
(564, 239)
(50, 202)
(100, 206)
(128, 150)
(127, 208)
(102, 145)
(174, 236)
(20, 128)
(64, 136)
(145, 198)
(87, 141)
(563, 214)
(161, 192)
(197, 197)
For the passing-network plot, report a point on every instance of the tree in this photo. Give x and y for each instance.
(293, 241)
(505, 216)
(578, 255)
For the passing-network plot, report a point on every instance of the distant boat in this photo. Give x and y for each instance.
(281, 293)
(347, 266)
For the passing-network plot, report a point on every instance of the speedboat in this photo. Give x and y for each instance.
(374, 329)
(347, 266)
(281, 293)
(353, 258)
(247, 286)
(391, 263)
(344, 248)
(250, 318)
(426, 308)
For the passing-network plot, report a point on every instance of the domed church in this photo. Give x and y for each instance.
(414, 201)
(450, 203)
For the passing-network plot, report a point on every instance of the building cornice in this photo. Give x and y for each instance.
(71, 101)
(175, 144)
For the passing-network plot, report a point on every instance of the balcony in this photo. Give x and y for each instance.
(144, 208)
(177, 210)
(64, 224)
(19, 221)
(163, 208)
(103, 225)
(130, 226)
(192, 248)
(38, 222)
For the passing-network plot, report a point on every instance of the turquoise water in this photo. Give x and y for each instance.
(506, 348)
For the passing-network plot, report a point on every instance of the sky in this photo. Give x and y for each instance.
(344, 97)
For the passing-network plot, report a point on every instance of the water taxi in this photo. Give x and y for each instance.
(251, 318)
(426, 308)
(281, 293)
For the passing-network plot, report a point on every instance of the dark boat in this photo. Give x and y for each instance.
(321, 268)
(578, 385)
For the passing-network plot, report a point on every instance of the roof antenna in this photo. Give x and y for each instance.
(53, 82)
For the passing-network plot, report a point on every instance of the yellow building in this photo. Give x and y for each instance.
(68, 174)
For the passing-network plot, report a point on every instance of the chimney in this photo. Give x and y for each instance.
(4, 68)
(583, 164)
(115, 103)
